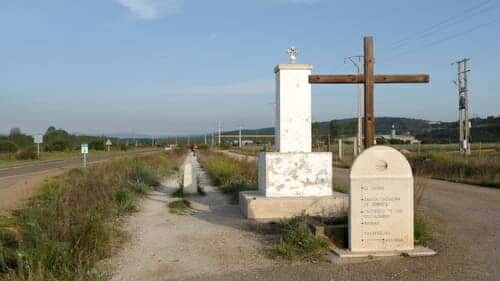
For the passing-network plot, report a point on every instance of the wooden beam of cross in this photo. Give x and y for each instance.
(368, 79)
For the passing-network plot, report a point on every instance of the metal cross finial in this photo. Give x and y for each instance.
(292, 54)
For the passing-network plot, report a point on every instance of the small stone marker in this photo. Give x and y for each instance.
(381, 205)
(190, 185)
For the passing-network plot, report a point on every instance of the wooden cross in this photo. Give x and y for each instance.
(368, 79)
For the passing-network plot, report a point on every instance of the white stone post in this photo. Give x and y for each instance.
(293, 108)
(341, 150)
(293, 181)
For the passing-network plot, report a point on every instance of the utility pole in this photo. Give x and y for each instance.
(239, 138)
(205, 139)
(359, 137)
(219, 132)
(463, 105)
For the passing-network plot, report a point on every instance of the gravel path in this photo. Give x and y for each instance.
(208, 241)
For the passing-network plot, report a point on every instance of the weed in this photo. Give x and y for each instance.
(125, 201)
(298, 242)
(179, 193)
(421, 234)
(179, 207)
(341, 189)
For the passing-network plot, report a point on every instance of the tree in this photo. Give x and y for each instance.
(20, 139)
(316, 129)
(50, 130)
(335, 129)
(15, 131)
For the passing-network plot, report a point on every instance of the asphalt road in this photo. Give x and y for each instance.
(35, 167)
(463, 220)
(19, 181)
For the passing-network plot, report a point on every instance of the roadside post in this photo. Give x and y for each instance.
(108, 144)
(85, 151)
(38, 140)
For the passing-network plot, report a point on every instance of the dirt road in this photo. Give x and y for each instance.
(465, 224)
(19, 182)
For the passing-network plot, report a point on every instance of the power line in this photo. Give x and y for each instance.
(446, 22)
(428, 34)
(450, 37)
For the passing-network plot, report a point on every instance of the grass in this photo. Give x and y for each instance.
(179, 207)
(231, 175)
(298, 241)
(341, 189)
(72, 222)
(476, 169)
(420, 231)
(7, 159)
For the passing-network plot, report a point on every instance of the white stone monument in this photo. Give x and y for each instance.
(293, 181)
(381, 205)
(190, 184)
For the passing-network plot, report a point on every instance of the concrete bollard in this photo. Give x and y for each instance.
(190, 184)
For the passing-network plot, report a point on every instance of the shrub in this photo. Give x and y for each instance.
(179, 207)
(298, 241)
(97, 145)
(7, 146)
(26, 154)
(58, 145)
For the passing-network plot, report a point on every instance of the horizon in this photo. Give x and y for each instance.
(128, 135)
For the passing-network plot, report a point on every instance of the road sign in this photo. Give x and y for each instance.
(85, 151)
(38, 138)
(108, 142)
(85, 148)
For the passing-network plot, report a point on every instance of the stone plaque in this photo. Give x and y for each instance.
(381, 202)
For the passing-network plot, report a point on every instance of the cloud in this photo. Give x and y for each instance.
(151, 9)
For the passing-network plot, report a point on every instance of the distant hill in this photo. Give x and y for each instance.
(483, 129)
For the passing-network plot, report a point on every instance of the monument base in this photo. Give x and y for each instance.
(254, 205)
(419, 251)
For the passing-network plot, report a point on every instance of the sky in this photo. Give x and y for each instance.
(167, 67)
